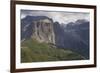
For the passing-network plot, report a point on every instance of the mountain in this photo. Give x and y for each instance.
(52, 36)
(74, 36)
(39, 28)
(59, 34)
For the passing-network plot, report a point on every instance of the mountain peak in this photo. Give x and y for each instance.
(81, 21)
(35, 17)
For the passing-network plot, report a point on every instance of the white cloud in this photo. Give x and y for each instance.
(61, 17)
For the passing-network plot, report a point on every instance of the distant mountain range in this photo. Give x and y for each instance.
(73, 36)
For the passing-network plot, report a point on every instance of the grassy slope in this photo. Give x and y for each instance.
(32, 51)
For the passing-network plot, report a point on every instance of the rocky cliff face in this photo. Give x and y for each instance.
(43, 31)
(39, 28)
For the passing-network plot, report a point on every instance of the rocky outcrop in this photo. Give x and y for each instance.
(43, 31)
(39, 28)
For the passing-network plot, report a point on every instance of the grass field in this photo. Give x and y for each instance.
(33, 51)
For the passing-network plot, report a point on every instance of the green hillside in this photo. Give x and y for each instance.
(33, 51)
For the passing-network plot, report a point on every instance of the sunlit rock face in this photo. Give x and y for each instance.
(43, 30)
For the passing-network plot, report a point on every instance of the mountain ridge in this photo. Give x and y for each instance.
(74, 36)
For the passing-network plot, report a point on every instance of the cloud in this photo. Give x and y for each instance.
(61, 17)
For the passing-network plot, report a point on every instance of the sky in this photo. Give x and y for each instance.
(61, 17)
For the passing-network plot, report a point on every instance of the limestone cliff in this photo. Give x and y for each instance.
(43, 31)
(41, 28)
